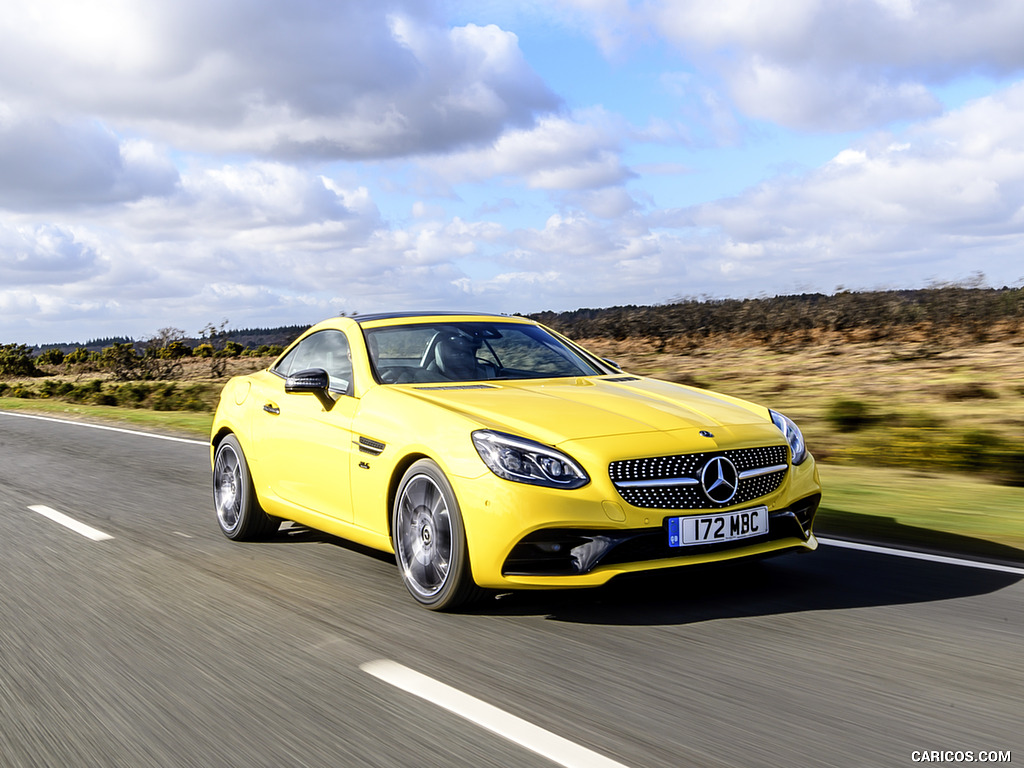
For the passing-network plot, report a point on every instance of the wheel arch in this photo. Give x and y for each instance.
(397, 473)
(220, 435)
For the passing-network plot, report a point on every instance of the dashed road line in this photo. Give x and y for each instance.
(69, 522)
(534, 738)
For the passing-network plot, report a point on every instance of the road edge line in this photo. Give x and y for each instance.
(90, 425)
(912, 555)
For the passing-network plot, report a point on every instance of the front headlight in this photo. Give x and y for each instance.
(524, 461)
(793, 436)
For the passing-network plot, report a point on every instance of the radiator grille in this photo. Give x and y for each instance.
(674, 482)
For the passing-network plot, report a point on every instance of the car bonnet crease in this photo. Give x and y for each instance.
(554, 410)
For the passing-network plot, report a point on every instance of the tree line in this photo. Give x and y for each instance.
(159, 358)
(942, 314)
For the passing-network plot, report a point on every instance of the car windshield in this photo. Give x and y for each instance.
(454, 351)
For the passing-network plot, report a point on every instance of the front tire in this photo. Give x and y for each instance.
(430, 540)
(239, 514)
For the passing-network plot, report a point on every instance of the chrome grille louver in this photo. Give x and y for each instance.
(673, 482)
(372, 447)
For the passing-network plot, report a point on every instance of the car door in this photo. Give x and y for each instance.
(306, 445)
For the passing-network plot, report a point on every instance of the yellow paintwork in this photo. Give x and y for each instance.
(306, 464)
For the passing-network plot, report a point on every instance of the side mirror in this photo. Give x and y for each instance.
(313, 381)
(612, 363)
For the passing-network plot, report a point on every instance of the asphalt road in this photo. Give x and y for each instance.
(168, 645)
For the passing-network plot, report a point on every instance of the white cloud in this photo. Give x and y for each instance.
(562, 152)
(46, 163)
(329, 80)
(815, 65)
(45, 254)
(180, 163)
(947, 197)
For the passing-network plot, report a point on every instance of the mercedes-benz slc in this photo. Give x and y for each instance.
(489, 452)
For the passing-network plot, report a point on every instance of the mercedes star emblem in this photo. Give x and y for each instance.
(720, 480)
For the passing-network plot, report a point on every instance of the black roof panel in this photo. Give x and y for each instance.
(427, 313)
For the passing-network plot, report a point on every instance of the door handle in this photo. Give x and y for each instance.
(271, 408)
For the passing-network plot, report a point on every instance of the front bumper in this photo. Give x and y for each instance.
(523, 536)
(576, 552)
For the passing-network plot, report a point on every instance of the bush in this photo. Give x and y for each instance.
(122, 361)
(79, 356)
(849, 415)
(264, 350)
(175, 350)
(979, 452)
(51, 357)
(54, 388)
(16, 360)
(233, 349)
(160, 396)
(970, 391)
(87, 392)
(131, 395)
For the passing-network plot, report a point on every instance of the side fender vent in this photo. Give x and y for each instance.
(372, 447)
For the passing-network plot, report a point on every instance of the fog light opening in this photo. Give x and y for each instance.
(587, 555)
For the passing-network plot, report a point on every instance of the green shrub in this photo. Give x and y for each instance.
(849, 415)
(122, 361)
(979, 452)
(51, 357)
(233, 349)
(174, 350)
(131, 395)
(55, 388)
(79, 356)
(16, 360)
(86, 392)
(913, 419)
(970, 391)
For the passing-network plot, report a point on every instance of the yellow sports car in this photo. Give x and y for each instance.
(489, 452)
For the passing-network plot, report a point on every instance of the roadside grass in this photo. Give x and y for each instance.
(184, 423)
(946, 513)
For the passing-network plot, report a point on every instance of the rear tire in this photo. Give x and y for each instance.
(430, 540)
(239, 514)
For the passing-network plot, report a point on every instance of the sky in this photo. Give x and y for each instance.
(181, 163)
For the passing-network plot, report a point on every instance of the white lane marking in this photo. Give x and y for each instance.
(70, 522)
(104, 427)
(536, 739)
(945, 560)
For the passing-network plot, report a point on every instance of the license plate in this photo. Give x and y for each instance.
(714, 529)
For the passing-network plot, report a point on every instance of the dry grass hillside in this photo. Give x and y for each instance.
(862, 402)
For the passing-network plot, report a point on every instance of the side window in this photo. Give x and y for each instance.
(328, 350)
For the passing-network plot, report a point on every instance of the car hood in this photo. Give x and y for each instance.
(557, 410)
